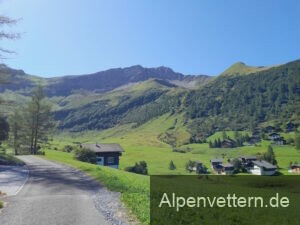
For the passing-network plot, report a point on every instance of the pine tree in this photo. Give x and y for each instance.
(172, 165)
(219, 144)
(38, 119)
(210, 144)
(224, 135)
(297, 140)
(270, 156)
(16, 128)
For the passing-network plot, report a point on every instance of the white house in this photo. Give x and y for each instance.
(261, 167)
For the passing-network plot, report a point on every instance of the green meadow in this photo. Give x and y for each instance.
(143, 143)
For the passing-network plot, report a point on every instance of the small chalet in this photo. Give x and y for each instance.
(256, 134)
(227, 169)
(262, 167)
(228, 143)
(290, 127)
(269, 129)
(280, 141)
(216, 165)
(107, 154)
(253, 140)
(274, 136)
(295, 168)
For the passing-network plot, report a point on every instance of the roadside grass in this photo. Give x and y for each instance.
(8, 159)
(135, 188)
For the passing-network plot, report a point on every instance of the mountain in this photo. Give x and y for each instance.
(240, 98)
(246, 100)
(99, 82)
(241, 68)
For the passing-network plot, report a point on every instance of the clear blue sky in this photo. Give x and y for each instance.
(63, 37)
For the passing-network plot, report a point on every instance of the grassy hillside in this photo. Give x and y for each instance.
(241, 68)
(144, 143)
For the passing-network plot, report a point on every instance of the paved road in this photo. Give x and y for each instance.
(54, 194)
(12, 178)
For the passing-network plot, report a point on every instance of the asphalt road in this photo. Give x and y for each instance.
(54, 194)
(12, 179)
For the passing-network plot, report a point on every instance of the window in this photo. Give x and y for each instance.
(110, 160)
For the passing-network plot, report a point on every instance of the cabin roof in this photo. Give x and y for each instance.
(227, 165)
(295, 165)
(274, 134)
(216, 160)
(265, 164)
(103, 147)
(247, 157)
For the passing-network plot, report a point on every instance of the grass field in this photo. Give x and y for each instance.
(142, 143)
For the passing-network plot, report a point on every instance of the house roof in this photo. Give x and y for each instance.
(103, 147)
(216, 160)
(247, 157)
(295, 165)
(227, 165)
(265, 164)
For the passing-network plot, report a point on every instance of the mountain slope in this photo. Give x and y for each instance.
(247, 100)
(136, 104)
(241, 68)
(99, 82)
(240, 98)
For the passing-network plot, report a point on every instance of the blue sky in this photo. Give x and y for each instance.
(64, 37)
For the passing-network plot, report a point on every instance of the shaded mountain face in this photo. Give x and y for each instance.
(99, 82)
(14, 79)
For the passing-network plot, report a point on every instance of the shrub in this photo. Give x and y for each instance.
(1, 204)
(85, 155)
(172, 165)
(68, 148)
(139, 168)
(178, 150)
(189, 166)
(40, 152)
(237, 165)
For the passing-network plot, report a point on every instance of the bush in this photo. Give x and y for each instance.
(189, 166)
(237, 165)
(139, 168)
(1, 204)
(172, 165)
(68, 148)
(40, 152)
(85, 155)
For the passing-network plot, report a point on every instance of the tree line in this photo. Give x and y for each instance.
(31, 125)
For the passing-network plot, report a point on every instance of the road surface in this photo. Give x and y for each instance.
(54, 194)
(12, 179)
